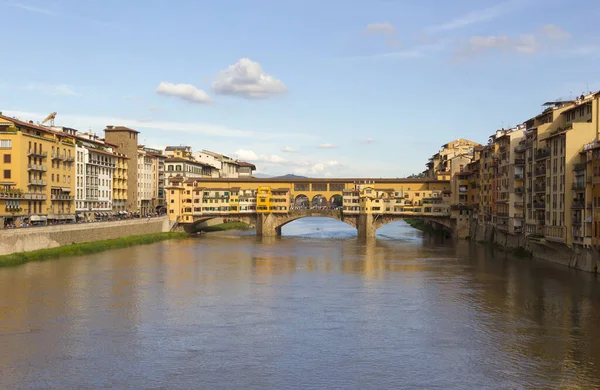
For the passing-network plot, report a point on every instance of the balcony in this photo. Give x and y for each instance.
(37, 153)
(542, 154)
(540, 188)
(576, 222)
(37, 182)
(519, 205)
(36, 167)
(519, 190)
(58, 156)
(13, 208)
(69, 158)
(578, 204)
(579, 186)
(540, 172)
(519, 215)
(34, 196)
(519, 161)
(541, 222)
(62, 197)
(519, 176)
(11, 195)
(579, 167)
(520, 148)
(539, 205)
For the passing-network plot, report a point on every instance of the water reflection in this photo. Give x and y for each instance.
(315, 308)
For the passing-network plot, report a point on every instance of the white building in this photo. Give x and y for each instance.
(147, 183)
(225, 166)
(95, 165)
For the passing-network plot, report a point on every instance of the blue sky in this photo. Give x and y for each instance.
(321, 88)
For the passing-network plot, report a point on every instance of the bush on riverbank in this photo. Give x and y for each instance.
(226, 226)
(85, 248)
(420, 224)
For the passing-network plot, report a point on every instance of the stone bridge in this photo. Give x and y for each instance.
(270, 224)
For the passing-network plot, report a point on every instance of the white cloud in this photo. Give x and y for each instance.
(554, 33)
(478, 16)
(326, 146)
(368, 140)
(30, 8)
(289, 149)
(524, 44)
(321, 168)
(100, 122)
(52, 89)
(386, 29)
(247, 79)
(154, 109)
(380, 28)
(249, 155)
(183, 91)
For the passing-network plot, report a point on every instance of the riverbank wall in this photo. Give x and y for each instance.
(35, 238)
(585, 259)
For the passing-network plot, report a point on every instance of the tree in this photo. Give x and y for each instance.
(417, 176)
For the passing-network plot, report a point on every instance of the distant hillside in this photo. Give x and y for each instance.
(261, 176)
(290, 176)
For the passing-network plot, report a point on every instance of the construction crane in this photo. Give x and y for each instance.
(50, 118)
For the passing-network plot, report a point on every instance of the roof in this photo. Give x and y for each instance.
(320, 180)
(246, 164)
(178, 147)
(102, 151)
(34, 126)
(120, 128)
(185, 160)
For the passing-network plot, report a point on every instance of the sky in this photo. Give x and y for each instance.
(322, 88)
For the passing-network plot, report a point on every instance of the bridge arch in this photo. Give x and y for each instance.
(301, 201)
(319, 201)
(336, 201)
(446, 223)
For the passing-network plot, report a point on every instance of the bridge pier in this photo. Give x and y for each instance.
(366, 227)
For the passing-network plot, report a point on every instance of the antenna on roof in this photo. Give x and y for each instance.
(571, 95)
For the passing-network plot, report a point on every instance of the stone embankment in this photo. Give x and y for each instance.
(585, 259)
(35, 238)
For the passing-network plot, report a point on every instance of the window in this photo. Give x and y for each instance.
(7, 173)
(7, 159)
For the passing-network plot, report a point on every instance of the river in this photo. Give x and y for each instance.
(313, 309)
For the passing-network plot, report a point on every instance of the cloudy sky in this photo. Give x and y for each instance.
(313, 87)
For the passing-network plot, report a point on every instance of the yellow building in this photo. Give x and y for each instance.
(440, 166)
(120, 184)
(37, 182)
(283, 195)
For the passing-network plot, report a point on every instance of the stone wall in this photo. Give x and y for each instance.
(584, 259)
(34, 238)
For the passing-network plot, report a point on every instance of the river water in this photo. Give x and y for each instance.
(313, 309)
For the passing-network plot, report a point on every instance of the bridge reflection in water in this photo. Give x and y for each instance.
(269, 204)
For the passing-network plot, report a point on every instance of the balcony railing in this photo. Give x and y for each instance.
(540, 188)
(69, 158)
(539, 205)
(541, 222)
(36, 167)
(62, 197)
(520, 148)
(11, 195)
(542, 153)
(519, 215)
(540, 172)
(37, 153)
(519, 190)
(519, 204)
(578, 204)
(58, 156)
(37, 182)
(577, 222)
(34, 196)
(519, 161)
(579, 186)
(519, 176)
(579, 167)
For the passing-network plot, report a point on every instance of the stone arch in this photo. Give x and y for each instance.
(319, 201)
(301, 201)
(442, 222)
(336, 201)
(347, 221)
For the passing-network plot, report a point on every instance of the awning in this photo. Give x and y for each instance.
(35, 218)
(66, 189)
